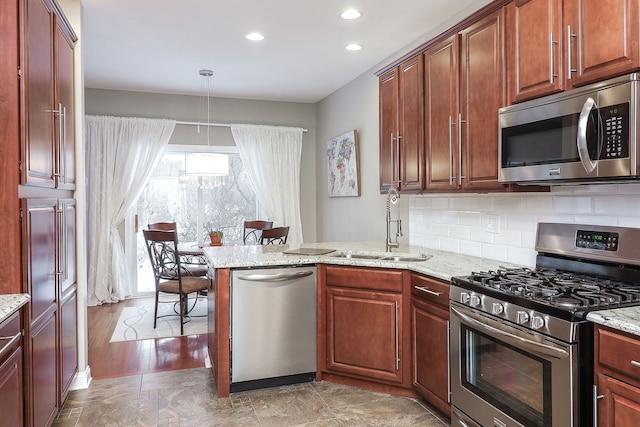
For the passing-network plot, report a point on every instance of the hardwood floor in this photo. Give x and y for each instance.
(118, 359)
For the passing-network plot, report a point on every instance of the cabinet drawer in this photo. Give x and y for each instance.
(9, 330)
(366, 278)
(619, 352)
(435, 291)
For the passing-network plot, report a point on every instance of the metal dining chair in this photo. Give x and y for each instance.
(253, 231)
(169, 275)
(274, 236)
(193, 265)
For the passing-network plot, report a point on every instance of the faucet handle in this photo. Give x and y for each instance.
(399, 233)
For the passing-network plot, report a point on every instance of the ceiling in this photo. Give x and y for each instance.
(160, 45)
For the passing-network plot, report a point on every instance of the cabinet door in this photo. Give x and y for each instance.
(43, 369)
(363, 333)
(11, 390)
(68, 341)
(482, 94)
(431, 353)
(606, 39)
(39, 254)
(66, 242)
(65, 158)
(388, 96)
(411, 141)
(441, 114)
(38, 151)
(620, 406)
(535, 46)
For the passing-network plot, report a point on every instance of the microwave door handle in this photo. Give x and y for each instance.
(583, 151)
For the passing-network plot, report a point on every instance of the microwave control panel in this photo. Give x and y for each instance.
(615, 128)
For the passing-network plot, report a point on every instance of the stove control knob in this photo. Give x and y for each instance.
(537, 322)
(464, 297)
(475, 301)
(497, 308)
(522, 317)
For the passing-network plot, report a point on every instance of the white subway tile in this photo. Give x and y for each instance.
(459, 232)
(508, 238)
(515, 221)
(521, 256)
(471, 248)
(507, 203)
(440, 230)
(596, 220)
(451, 245)
(537, 204)
(479, 234)
(459, 203)
(497, 252)
(439, 202)
(481, 203)
(470, 218)
(627, 205)
(569, 204)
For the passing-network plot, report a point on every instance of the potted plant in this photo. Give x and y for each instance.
(215, 235)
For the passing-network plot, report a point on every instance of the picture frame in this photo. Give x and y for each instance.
(343, 166)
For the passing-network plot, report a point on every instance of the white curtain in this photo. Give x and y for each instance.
(272, 156)
(121, 155)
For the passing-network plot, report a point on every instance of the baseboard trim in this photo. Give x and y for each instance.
(82, 380)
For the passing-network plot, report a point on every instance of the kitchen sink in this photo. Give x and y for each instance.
(380, 257)
(402, 258)
(355, 256)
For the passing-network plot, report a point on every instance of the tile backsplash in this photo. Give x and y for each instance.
(503, 226)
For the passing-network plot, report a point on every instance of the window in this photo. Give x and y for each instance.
(171, 195)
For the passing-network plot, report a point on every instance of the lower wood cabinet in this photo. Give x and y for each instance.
(362, 333)
(11, 373)
(617, 373)
(363, 325)
(429, 340)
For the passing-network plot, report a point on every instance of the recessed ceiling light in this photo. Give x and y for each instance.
(353, 46)
(255, 36)
(350, 14)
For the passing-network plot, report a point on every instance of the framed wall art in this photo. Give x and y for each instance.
(342, 161)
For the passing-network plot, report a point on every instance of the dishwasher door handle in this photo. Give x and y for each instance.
(278, 277)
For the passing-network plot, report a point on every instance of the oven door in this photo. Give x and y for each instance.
(506, 375)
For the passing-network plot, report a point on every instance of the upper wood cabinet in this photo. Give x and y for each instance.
(555, 45)
(535, 42)
(464, 87)
(48, 111)
(401, 131)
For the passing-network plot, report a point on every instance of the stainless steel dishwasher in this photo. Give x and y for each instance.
(273, 326)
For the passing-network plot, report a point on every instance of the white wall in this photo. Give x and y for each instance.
(458, 223)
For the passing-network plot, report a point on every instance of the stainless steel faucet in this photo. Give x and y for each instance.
(393, 197)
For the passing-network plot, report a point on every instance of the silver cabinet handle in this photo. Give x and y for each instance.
(6, 347)
(552, 75)
(460, 122)
(636, 364)
(429, 291)
(570, 35)
(596, 397)
(581, 140)
(451, 123)
(278, 277)
(393, 164)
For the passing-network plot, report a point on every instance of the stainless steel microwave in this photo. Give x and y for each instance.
(584, 135)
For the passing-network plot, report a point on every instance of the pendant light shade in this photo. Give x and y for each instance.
(207, 164)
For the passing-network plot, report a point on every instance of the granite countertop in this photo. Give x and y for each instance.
(625, 319)
(441, 264)
(10, 303)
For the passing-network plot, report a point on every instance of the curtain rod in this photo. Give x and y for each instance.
(214, 124)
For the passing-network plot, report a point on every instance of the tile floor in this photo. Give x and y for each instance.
(187, 397)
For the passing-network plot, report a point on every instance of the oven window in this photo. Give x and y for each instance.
(512, 380)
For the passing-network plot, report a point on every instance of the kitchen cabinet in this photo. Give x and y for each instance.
(401, 131)
(11, 375)
(10, 273)
(617, 372)
(464, 87)
(555, 45)
(48, 145)
(49, 265)
(430, 340)
(364, 324)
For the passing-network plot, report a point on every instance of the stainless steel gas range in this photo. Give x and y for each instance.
(521, 349)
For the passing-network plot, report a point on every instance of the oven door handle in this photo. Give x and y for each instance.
(493, 327)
